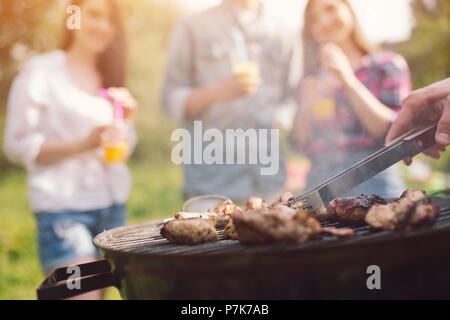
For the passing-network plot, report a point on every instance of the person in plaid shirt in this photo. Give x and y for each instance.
(348, 97)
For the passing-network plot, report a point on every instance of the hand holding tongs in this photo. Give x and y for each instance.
(408, 145)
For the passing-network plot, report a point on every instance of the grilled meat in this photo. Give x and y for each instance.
(351, 210)
(382, 217)
(215, 218)
(224, 211)
(342, 232)
(414, 195)
(412, 210)
(279, 224)
(320, 214)
(226, 207)
(315, 229)
(254, 203)
(424, 214)
(221, 215)
(230, 231)
(190, 231)
(283, 199)
(190, 215)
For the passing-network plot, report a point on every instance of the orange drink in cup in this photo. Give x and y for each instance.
(115, 151)
(244, 61)
(248, 73)
(324, 105)
(115, 145)
(324, 108)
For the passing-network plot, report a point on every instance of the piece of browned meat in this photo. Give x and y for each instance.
(226, 207)
(382, 217)
(319, 214)
(279, 224)
(219, 220)
(254, 203)
(221, 215)
(230, 231)
(411, 211)
(190, 231)
(283, 199)
(224, 211)
(425, 214)
(414, 195)
(342, 232)
(352, 210)
(190, 215)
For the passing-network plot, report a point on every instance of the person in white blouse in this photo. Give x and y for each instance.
(55, 123)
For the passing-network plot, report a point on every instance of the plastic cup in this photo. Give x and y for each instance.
(115, 146)
(324, 108)
(247, 72)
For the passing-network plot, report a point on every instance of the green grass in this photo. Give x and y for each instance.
(156, 194)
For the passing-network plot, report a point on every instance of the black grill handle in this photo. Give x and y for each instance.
(93, 276)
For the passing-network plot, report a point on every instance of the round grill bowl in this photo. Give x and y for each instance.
(412, 265)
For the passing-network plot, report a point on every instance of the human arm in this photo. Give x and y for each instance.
(53, 151)
(25, 141)
(374, 116)
(181, 97)
(424, 106)
(202, 98)
(301, 128)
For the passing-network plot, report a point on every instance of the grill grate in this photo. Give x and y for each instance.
(145, 239)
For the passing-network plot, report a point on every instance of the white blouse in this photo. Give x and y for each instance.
(44, 104)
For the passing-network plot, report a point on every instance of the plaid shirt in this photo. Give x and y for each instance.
(387, 76)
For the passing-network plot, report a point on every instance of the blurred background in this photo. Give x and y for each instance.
(417, 29)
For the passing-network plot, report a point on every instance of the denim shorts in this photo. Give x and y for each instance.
(67, 236)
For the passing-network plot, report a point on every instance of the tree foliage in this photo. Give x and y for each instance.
(26, 26)
(30, 27)
(428, 49)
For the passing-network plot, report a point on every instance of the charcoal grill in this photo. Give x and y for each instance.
(144, 265)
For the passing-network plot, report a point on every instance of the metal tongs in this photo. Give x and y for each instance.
(407, 145)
